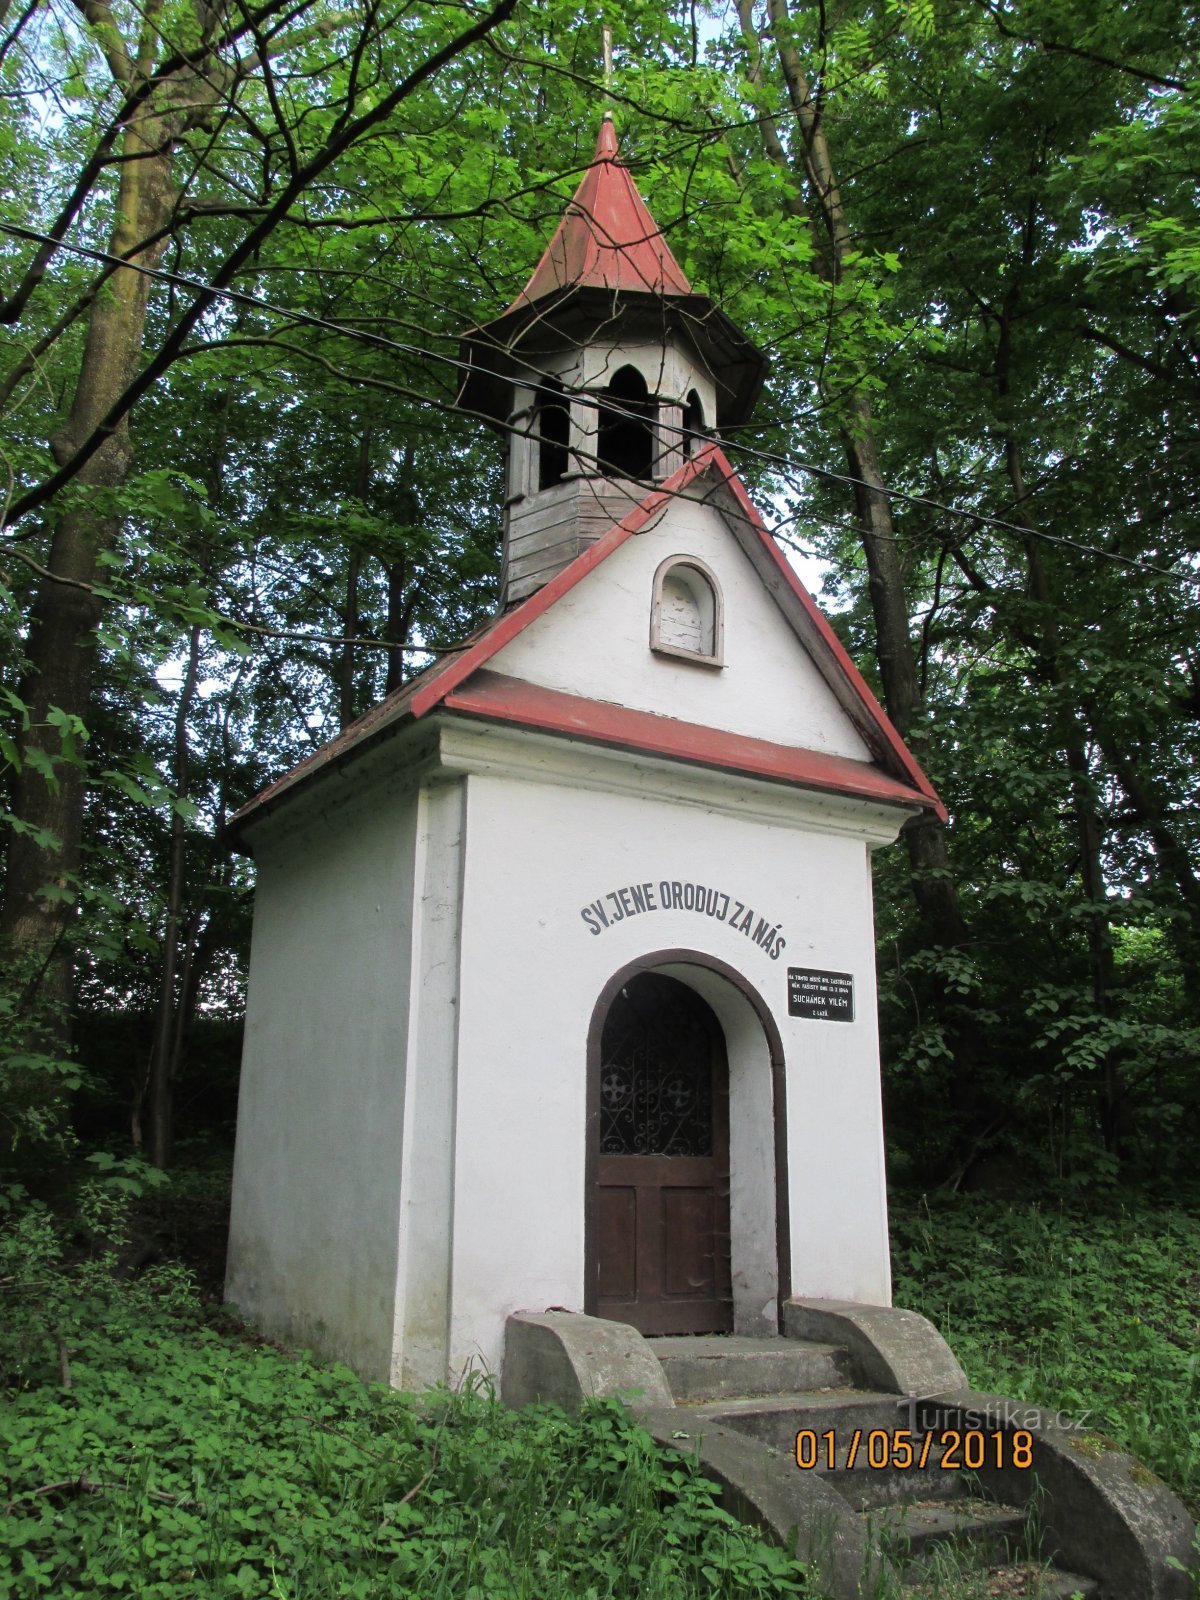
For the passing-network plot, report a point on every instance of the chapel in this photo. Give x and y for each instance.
(562, 985)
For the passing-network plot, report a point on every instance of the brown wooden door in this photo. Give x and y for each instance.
(658, 1230)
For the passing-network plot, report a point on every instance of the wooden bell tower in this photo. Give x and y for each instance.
(607, 372)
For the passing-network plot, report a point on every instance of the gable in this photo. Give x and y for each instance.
(824, 728)
(594, 642)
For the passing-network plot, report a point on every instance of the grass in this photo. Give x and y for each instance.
(152, 1447)
(241, 1473)
(1092, 1310)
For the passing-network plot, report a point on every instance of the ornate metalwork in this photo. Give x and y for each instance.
(656, 1071)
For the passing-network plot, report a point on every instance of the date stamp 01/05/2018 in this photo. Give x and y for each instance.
(896, 1449)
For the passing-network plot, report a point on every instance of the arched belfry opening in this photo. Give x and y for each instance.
(626, 432)
(552, 431)
(695, 429)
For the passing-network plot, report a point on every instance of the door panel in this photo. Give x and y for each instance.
(658, 1210)
(689, 1264)
(616, 1214)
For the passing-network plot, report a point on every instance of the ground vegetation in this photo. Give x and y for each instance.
(237, 249)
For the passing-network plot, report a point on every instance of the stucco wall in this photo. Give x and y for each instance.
(316, 1192)
(595, 642)
(539, 854)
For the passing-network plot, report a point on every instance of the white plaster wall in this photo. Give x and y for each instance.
(531, 975)
(316, 1189)
(420, 1346)
(594, 642)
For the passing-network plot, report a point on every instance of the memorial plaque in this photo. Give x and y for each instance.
(827, 996)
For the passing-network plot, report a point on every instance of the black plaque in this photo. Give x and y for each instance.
(828, 996)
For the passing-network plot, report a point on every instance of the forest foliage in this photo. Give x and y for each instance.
(155, 1447)
(238, 246)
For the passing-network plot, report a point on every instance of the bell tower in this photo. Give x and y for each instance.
(606, 372)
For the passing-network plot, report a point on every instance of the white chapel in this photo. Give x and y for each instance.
(562, 988)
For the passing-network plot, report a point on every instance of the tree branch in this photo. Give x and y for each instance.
(233, 623)
(246, 249)
(137, 97)
(1154, 368)
(1140, 73)
(99, 18)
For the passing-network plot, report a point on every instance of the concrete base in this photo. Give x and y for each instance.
(719, 1366)
(563, 1357)
(894, 1350)
(762, 1488)
(1100, 1511)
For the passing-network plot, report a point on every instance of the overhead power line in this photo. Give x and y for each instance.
(781, 463)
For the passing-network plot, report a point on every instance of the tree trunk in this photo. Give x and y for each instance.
(62, 633)
(346, 696)
(1089, 833)
(1171, 853)
(942, 923)
(933, 885)
(164, 1056)
(397, 582)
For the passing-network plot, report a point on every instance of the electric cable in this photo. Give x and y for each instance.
(781, 463)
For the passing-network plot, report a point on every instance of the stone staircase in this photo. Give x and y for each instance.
(1050, 1511)
(918, 1522)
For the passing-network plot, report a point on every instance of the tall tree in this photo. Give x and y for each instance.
(296, 86)
(791, 96)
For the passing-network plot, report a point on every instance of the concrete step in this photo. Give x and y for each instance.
(989, 1528)
(1020, 1580)
(776, 1419)
(865, 1489)
(1059, 1585)
(933, 1523)
(702, 1367)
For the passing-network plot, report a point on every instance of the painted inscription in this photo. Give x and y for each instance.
(673, 894)
(828, 996)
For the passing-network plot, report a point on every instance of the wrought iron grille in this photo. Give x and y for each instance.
(656, 1071)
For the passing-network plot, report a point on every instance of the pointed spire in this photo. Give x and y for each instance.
(607, 245)
(606, 141)
(607, 239)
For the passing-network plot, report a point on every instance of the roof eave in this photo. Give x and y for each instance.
(493, 355)
(328, 761)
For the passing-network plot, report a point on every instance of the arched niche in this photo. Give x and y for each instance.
(687, 613)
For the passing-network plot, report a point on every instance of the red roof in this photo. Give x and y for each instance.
(607, 239)
(456, 683)
(496, 698)
(607, 248)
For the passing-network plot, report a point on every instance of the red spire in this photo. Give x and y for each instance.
(607, 239)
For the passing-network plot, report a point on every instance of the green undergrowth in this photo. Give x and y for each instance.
(148, 1449)
(1091, 1310)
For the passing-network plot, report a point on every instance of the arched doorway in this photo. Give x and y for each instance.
(757, 1256)
(659, 1236)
